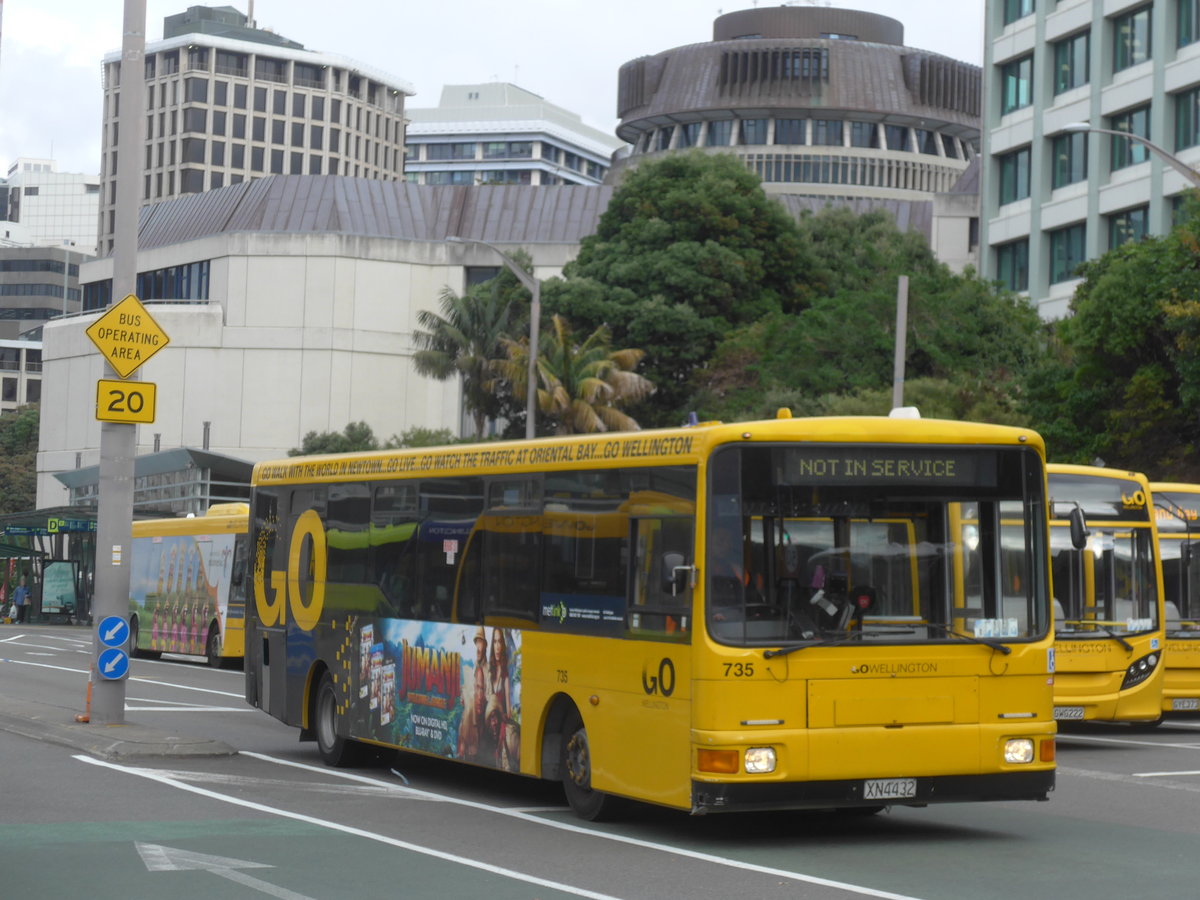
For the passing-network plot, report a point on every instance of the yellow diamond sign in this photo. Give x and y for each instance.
(127, 336)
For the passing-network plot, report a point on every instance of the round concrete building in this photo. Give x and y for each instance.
(817, 101)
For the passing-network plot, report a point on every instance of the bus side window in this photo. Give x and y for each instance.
(661, 601)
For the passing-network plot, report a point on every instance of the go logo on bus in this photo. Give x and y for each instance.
(285, 586)
(1136, 500)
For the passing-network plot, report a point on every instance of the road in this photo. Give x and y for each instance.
(80, 819)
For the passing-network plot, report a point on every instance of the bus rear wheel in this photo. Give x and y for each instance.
(576, 768)
(335, 750)
(212, 648)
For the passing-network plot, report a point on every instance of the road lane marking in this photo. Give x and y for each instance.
(350, 830)
(132, 679)
(1165, 774)
(1061, 738)
(579, 829)
(171, 859)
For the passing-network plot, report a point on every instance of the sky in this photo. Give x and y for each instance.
(566, 51)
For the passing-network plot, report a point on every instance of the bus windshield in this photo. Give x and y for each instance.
(894, 545)
(1107, 587)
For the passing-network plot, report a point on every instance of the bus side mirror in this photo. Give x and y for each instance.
(1079, 529)
(674, 573)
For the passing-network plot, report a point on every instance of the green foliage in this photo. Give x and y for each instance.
(356, 436)
(421, 437)
(968, 343)
(1124, 380)
(581, 385)
(18, 461)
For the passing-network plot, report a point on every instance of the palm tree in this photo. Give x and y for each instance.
(581, 385)
(463, 340)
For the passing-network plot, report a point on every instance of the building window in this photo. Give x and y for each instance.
(276, 162)
(195, 90)
(689, 134)
(1126, 152)
(1187, 22)
(191, 181)
(1012, 265)
(1128, 225)
(1071, 62)
(1070, 159)
(8, 393)
(897, 137)
(279, 103)
(1014, 176)
(278, 131)
(239, 96)
(192, 151)
(218, 123)
(195, 120)
(1016, 80)
(1017, 9)
(1067, 251)
(719, 133)
(1187, 119)
(256, 159)
(754, 131)
(299, 104)
(827, 132)
(926, 142)
(1131, 39)
(790, 131)
(864, 134)
(260, 99)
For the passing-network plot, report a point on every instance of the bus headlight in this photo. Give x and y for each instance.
(760, 760)
(1018, 750)
(1139, 670)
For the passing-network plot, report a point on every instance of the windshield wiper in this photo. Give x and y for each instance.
(1112, 634)
(946, 629)
(792, 648)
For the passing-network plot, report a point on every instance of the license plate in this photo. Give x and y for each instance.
(1068, 712)
(1185, 703)
(889, 788)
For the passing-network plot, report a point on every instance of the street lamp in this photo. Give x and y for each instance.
(535, 311)
(1174, 162)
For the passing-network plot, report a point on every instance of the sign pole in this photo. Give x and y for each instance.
(118, 441)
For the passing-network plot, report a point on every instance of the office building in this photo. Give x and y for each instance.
(36, 284)
(227, 102)
(20, 373)
(1054, 194)
(54, 209)
(821, 102)
(499, 133)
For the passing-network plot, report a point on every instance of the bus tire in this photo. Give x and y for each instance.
(575, 765)
(134, 652)
(335, 750)
(212, 647)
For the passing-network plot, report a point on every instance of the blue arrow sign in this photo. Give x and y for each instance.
(113, 664)
(114, 631)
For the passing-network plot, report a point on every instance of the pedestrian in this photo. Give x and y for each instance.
(21, 600)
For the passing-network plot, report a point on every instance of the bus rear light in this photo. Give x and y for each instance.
(723, 762)
(1046, 750)
(760, 760)
(1018, 751)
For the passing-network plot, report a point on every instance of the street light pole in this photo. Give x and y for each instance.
(535, 311)
(1174, 162)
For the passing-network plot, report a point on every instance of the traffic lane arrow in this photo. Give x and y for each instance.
(158, 858)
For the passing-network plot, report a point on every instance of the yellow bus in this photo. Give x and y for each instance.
(187, 585)
(1108, 595)
(839, 613)
(1177, 507)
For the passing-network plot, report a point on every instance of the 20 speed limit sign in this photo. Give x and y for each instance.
(125, 401)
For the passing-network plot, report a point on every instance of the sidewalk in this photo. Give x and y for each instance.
(57, 725)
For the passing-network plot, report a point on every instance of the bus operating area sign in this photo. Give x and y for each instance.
(127, 335)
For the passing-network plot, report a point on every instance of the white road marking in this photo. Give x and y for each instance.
(133, 679)
(579, 829)
(1165, 774)
(1089, 739)
(347, 829)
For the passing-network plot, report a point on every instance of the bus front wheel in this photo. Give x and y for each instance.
(576, 768)
(134, 651)
(212, 647)
(335, 750)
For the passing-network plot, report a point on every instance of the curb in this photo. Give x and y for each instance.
(112, 742)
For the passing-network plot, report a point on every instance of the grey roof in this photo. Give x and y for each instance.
(322, 204)
(968, 182)
(221, 467)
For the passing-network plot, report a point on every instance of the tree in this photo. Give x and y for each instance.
(582, 385)
(1124, 381)
(688, 247)
(972, 339)
(464, 340)
(18, 459)
(356, 436)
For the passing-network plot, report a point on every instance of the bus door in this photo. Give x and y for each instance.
(656, 725)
